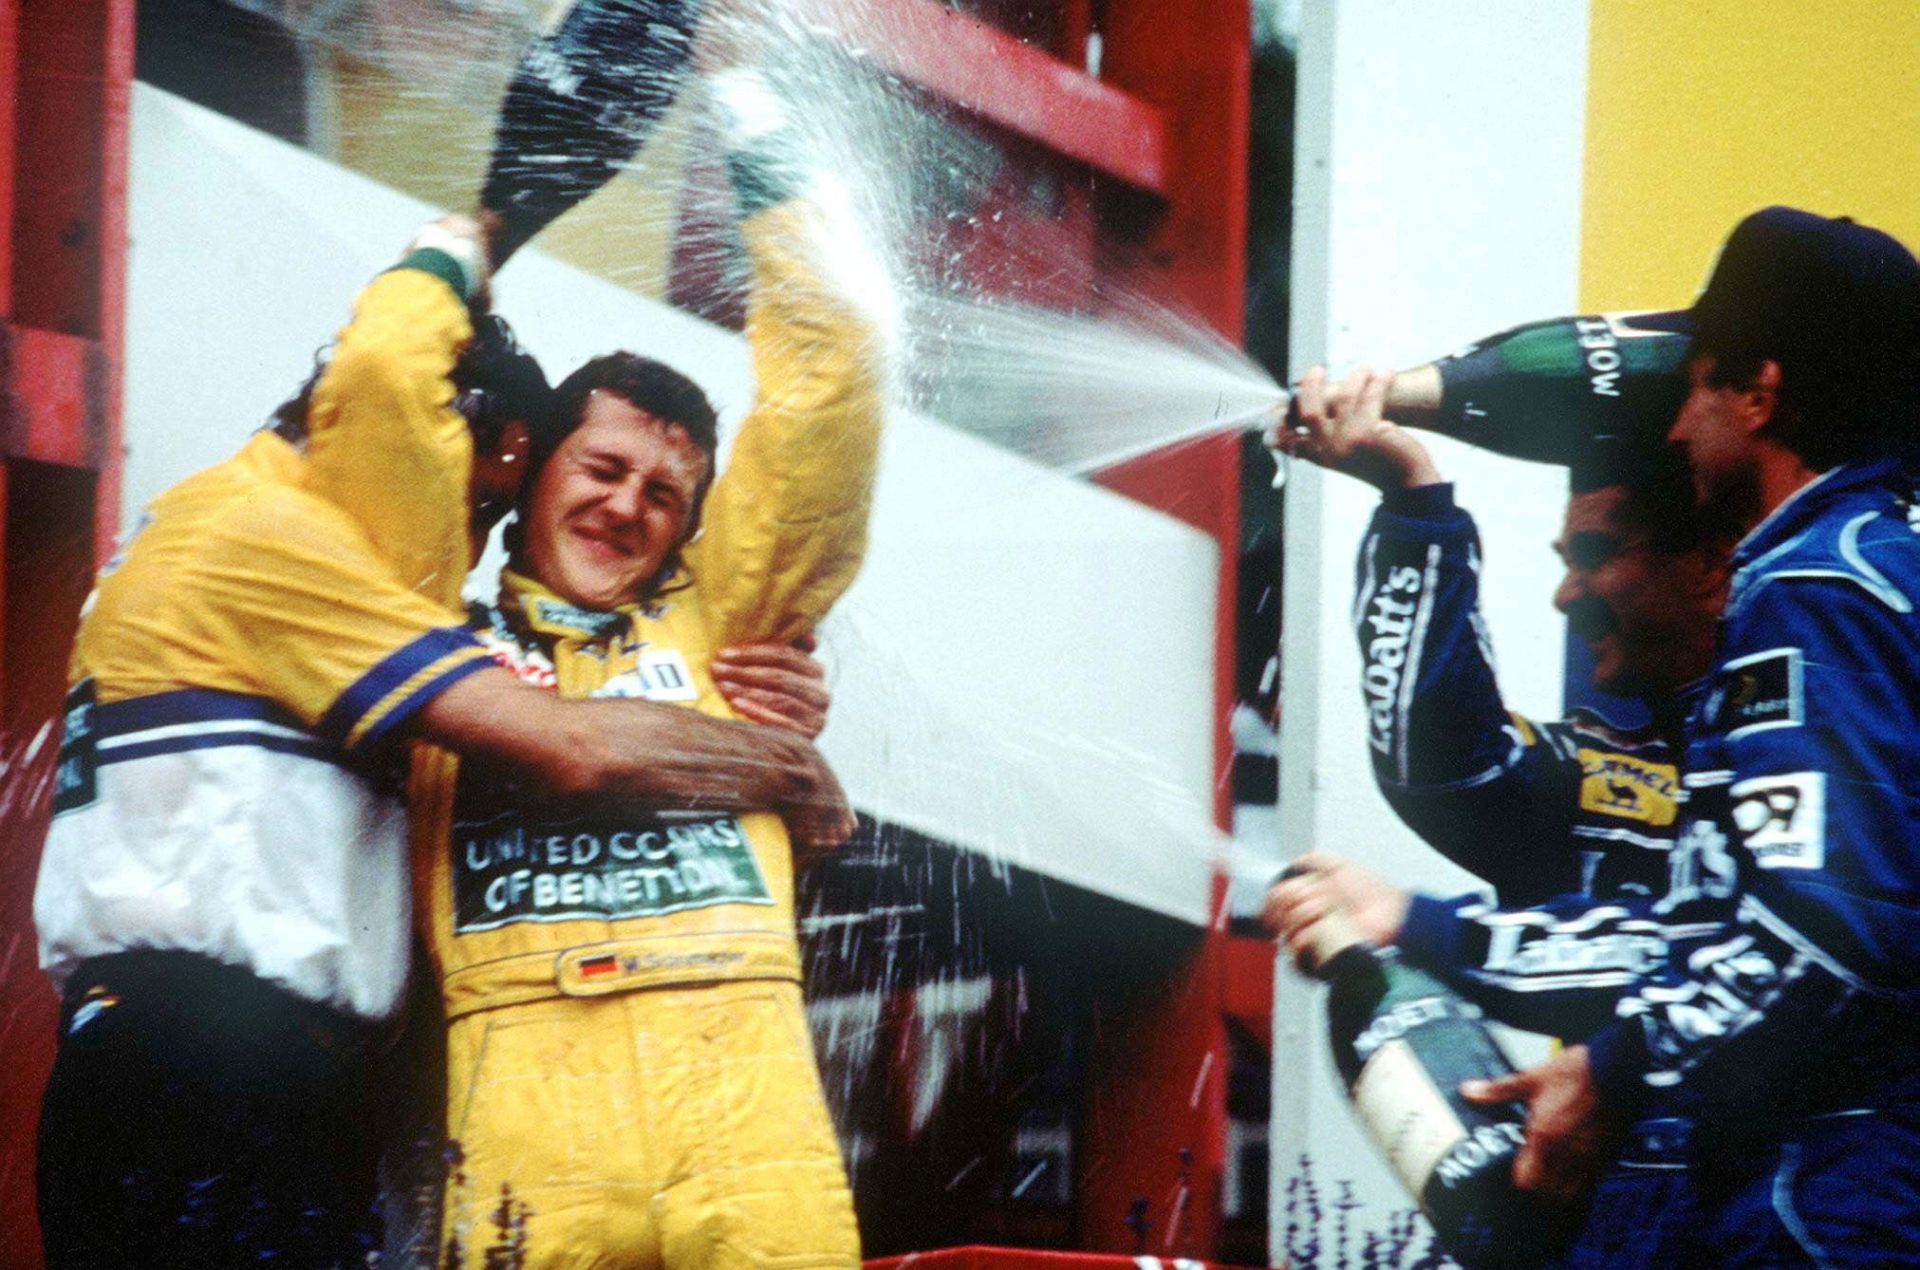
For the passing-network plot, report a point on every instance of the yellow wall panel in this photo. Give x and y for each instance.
(1700, 111)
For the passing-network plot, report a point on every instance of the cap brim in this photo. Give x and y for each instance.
(1678, 321)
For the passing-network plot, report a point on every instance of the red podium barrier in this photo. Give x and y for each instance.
(979, 1257)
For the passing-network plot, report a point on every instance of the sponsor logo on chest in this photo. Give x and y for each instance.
(516, 868)
(1620, 785)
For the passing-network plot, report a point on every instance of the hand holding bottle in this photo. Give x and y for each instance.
(1570, 1136)
(1345, 430)
(1318, 884)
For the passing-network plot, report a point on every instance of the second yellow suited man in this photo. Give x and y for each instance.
(630, 1077)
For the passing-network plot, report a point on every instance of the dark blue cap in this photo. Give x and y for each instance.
(1825, 297)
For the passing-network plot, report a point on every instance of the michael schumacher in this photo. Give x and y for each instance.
(630, 1077)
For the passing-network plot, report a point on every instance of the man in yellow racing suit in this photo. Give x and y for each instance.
(222, 898)
(630, 1077)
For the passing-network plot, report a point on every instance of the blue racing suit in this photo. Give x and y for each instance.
(1781, 1037)
(1570, 821)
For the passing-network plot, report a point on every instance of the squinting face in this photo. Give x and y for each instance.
(610, 505)
(1647, 617)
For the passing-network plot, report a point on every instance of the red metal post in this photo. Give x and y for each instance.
(9, 87)
(1154, 1136)
(66, 71)
(1193, 63)
(1008, 83)
(1163, 1087)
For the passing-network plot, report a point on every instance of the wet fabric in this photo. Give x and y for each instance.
(198, 1116)
(674, 1127)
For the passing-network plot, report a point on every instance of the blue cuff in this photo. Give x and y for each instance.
(1421, 502)
(1430, 933)
(436, 659)
(1618, 1058)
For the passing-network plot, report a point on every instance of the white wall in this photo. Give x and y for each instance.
(1437, 199)
(1024, 666)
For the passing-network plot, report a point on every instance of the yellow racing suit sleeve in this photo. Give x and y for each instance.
(784, 527)
(383, 441)
(289, 592)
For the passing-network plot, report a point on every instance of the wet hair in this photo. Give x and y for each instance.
(495, 382)
(650, 386)
(1660, 498)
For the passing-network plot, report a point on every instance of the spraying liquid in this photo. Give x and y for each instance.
(1017, 345)
(1077, 393)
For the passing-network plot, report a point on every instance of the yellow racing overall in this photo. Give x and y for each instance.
(630, 1078)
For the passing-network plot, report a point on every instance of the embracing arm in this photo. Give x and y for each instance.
(639, 751)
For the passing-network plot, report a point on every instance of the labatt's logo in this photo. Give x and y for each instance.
(1390, 618)
(1601, 348)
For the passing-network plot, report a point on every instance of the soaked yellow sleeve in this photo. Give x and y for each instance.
(289, 592)
(785, 526)
(384, 443)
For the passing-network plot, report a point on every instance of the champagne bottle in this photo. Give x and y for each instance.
(1403, 1041)
(1550, 391)
(583, 99)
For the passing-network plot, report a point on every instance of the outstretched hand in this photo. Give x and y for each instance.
(1570, 1135)
(1344, 430)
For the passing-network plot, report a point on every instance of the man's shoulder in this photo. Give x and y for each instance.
(1866, 541)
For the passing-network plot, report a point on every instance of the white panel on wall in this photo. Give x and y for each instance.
(1025, 666)
(1437, 199)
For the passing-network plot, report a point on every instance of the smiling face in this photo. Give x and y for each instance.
(1647, 616)
(617, 497)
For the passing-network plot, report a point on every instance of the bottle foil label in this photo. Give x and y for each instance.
(1406, 1113)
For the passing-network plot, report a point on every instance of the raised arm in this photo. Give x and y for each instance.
(383, 441)
(784, 529)
(1491, 791)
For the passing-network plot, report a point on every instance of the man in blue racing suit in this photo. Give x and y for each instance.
(1772, 1055)
(1571, 820)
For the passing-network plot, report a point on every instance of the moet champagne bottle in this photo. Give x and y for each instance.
(1403, 1041)
(1549, 391)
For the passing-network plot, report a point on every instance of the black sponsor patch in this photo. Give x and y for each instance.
(1761, 691)
(75, 779)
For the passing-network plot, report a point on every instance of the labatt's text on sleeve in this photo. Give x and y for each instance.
(1390, 616)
